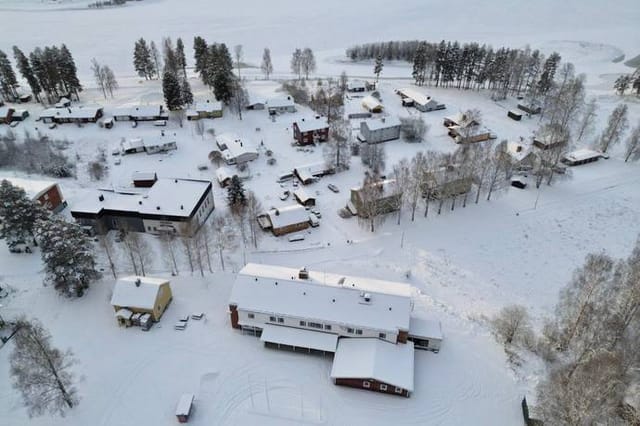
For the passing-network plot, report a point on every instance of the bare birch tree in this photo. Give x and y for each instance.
(632, 148)
(110, 252)
(168, 242)
(512, 325)
(616, 126)
(41, 373)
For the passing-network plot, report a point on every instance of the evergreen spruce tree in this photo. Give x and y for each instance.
(18, 214)
(142, 61)
(172, 91)
(236, 198)
(200, 53)
(377, 68)
(27, 72)
(548, 73)
(185, 92)
(180, 56)
(68, 256)
(223, 74)
(37, 65)
(419, 64)
(8, 82)
(68, 72)
(171, 60)
(622, 83)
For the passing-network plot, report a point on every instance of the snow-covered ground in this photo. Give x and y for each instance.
(519, 248)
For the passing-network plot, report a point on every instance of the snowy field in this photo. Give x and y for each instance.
(519, 248)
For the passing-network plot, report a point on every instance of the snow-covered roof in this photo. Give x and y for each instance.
(418, 97)
(289, 215)
(302, 195)
(72, 112)
(124, 313)
(371, 103)
(224, 173)
(429, 329)
(323, 297)
(140, 111)
(280, 102)
(234, 146)
(133, 144)
(208, 106)
(370, 285)
(167, 197)
(388, 187)
(300, 338)
(33, 188)
(371, 358)
(184, 404)
(518, 151)
(309, 171)
(144, 176)
(127, 293)
(582, 154)
(382, 123)
(311, 124)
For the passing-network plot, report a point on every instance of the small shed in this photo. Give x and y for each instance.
(425, 334)
(581, 156)
(304, 198)
(184, 407)
(514, 115)
(144, 179)
(371, 104)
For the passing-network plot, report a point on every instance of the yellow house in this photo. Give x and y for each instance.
(132, 295)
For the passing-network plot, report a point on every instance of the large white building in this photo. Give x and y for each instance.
(315, 311)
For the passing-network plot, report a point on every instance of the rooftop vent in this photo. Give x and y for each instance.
(157, 207)
(303, 274)
(140, 202)
(341, 280)
(138, 282)
(365, 298)
(181, 207)
(101, 197)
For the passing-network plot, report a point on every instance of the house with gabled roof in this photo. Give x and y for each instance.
(284, 220)
(140, 295)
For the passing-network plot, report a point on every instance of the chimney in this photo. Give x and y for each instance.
(140, 202)
(138, 282)
(181, 207)
(101, 197)
(303, 274)
(157, 207)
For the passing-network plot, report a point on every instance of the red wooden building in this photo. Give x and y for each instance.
(310, 131)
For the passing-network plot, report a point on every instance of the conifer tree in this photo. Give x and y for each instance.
(142, 61)
(172, 91)
(377, 68)
(18, 214)
(236, 198)
(223, 74)
(181, 57)
(8, 82)
(68, 256)
(68, 72)
(200, 53)
(27, 72)
(155, 56)
(185, 92)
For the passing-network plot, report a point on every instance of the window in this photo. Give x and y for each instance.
(366, 384)
(349, 330)
(382, 335)
(398, 390)
(327, 326)
(358, 331)
(280, 320)
(272, 319)
(383, 387)
(303, 323)
(314, 325)
(251, 315)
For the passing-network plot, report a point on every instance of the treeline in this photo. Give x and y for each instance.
(466, 66)
(49, 71)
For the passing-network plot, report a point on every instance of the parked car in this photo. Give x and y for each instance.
(117, 161)
(285, 195)
(316, 212)
(333, 188)
(160, 123)
(313, 220)
(516, 183)
(296, 237)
